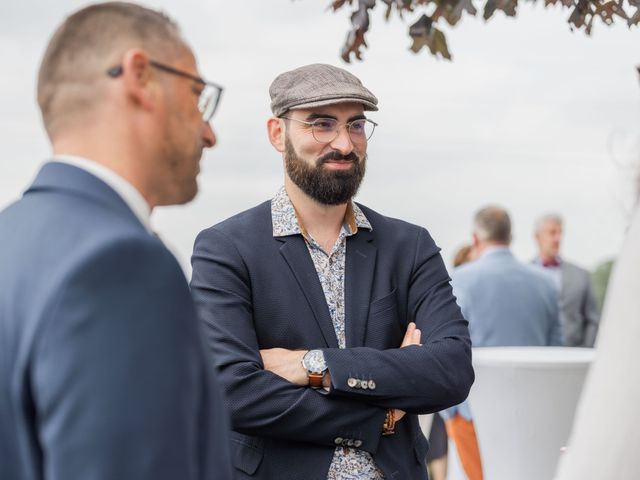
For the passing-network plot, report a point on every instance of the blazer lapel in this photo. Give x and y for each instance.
(359, 271)
(296, 254)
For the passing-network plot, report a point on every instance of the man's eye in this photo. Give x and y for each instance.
(357, 126)
(324, 124)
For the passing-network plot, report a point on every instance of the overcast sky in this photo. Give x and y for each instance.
(528, 115)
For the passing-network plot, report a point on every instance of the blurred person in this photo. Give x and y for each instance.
(332, 325)
(103, 373)
(506, 302)
(579, 311)
(605, 436)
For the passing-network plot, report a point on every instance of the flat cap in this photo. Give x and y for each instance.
(317, 85)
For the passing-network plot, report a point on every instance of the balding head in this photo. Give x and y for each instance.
(73, 70)
(492, 225)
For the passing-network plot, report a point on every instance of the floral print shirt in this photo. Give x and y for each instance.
(348, 463)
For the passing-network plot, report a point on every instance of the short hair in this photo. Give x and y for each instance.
(492, 224)
(87, 44)
(547, 217)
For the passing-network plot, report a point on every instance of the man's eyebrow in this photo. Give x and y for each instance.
(360, 116)
(314, 116)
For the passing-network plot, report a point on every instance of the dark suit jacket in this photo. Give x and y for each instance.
(102, 370)
(254, 291)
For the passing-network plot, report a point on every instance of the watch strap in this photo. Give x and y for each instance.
(315, 379)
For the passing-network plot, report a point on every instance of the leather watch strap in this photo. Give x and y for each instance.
(315, 380)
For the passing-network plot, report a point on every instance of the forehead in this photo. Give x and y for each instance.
(552, 225)
(339, 111)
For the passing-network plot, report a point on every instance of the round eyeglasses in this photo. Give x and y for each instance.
(325, 130)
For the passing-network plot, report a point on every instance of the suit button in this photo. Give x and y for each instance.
(364, 384)
(352, 382)
(351, 443)
(345, 442)
(372, 385)
(338, 441)
(357, 443)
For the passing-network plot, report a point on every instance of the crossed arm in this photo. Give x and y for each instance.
(288, 363)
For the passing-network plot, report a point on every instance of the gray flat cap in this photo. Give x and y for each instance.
(317, 85)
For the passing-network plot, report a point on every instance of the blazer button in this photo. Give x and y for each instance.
(364, 384)
(345, 442)
(357, 443)
(372, 385)
(338, 441)
(351, 443)
(352, 382)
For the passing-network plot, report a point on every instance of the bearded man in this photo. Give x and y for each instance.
(331, 325)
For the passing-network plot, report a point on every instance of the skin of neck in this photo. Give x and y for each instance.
(323, 222)
(481, 246)
(114, 144)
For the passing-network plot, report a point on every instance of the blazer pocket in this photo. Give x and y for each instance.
(247, 452)
(383, 303)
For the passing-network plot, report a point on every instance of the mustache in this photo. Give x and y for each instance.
(350, 157)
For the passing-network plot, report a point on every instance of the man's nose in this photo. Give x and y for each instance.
(208, 135)
(342, 142)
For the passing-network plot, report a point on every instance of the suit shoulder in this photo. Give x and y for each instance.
(255, 218)
(384, 224)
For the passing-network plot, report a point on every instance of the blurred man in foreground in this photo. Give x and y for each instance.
(103, 374)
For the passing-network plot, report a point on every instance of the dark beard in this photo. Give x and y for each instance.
(325, 186)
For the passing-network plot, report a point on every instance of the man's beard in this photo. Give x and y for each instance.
(328, 187)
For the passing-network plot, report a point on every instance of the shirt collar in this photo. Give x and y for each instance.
(129, 194)
(286, 222)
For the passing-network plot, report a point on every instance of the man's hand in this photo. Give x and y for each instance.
(286, 364)
(411, 337)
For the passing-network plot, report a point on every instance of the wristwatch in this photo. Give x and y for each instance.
(313, 362)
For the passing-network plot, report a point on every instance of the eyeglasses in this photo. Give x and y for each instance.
(325, 130)
(209, 97)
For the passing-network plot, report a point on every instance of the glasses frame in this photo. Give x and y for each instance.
(338, 125)
(116, 71)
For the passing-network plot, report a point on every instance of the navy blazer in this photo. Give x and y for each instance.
(256, 291)
(102, 367)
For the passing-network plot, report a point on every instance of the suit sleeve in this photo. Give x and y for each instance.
(591, 315)
(260, 402)
(418, 379)
(119, 373)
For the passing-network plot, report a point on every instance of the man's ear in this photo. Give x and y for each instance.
(275, 129)
(475, 241)
(138, 78)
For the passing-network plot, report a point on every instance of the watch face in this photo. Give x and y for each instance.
(314, 362)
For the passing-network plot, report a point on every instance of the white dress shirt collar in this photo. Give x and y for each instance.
(129, 194)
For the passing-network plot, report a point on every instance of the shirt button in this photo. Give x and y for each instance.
(338, 441)
(372, 385)
(352, 382)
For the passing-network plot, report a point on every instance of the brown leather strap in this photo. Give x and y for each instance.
(315, 380)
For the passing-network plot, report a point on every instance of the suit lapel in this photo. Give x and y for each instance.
(359, 271)
(295, 252)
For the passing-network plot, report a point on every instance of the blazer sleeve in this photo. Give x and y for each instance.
(119, 373)
(418, 379)
(591, 314)
(260, 402)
